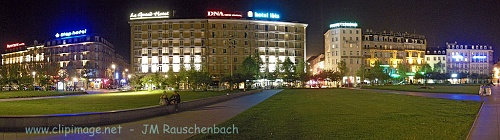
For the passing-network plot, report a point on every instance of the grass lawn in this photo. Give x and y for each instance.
(351, 114)
(461, 89)
(94, 102)
(25, 94)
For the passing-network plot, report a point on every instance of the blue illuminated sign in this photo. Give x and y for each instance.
(263, 15)
(72, 33)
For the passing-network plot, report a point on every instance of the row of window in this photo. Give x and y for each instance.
(467, 47)
(434, 58)
(224, 26)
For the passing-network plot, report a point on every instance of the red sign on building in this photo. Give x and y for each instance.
(14, 45)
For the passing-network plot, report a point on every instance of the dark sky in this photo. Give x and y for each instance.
(441, 21)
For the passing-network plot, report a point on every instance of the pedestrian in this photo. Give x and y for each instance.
(164, 98)
(481, 90)
(176, 99)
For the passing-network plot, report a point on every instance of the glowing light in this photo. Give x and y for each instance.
(263, 15)
(384, 66)
(250, 14)
(482, 57)
(14, 45)
(221, 14)
(457, 57)
(344, 24)
(454, 75)
(149, 15)
(66, 34)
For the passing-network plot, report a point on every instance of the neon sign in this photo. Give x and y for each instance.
(72, 33)
(263, 15)
(14, 45)
(344, 24)
(482, 57)
(149, 15)
(221, 14)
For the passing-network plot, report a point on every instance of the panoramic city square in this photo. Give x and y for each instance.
(216, 69)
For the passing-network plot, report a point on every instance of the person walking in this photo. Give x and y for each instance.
(481, 90)
(176, 99)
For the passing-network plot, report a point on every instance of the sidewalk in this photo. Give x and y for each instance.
(487, 125)
(207, 116)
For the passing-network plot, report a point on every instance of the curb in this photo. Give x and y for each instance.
(92, 119)
(474, 123)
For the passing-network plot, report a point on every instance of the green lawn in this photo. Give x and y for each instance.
(461, 89)
(94, 102)
(24, 94)
(351, 114)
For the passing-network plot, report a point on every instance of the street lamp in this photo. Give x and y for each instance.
(75, 80)
(114, 71)
(33, 73)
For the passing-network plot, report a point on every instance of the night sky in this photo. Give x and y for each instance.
(441, 21)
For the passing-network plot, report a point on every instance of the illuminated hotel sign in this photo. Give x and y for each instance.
(72, 33)
(457, 57)
(263, 15)
(14, 45)
(221, 14)
(149, 15)
(482, 57)
(344, 24)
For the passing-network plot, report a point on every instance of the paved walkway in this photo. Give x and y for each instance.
(487, 125)
(207, 116)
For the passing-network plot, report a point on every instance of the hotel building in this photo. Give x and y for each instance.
(345, 42)
(469, 59)
(393, 48)
(216, 45)
(25, 57)
(74, 52)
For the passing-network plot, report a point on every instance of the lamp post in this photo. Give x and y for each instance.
(114, 70)
(33, 73)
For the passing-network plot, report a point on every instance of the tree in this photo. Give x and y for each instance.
(439, 67)
(302, 72)
(343, 69)
(172, 79)
(182, 76)
(377, 72)
(135, 81)
(402, 69)
(249, 70)
(422, 72)
(288, 69)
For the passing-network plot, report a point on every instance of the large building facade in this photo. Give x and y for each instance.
(69, 55)
(391, 49)
(345, 42)
(469, 59)
(216, 45)
(436, 58)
